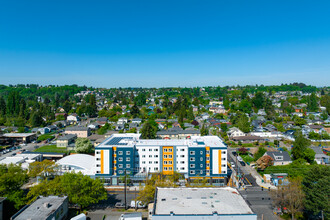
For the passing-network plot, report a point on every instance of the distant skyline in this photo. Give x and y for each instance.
(184, 43)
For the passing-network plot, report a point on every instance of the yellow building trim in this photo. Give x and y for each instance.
(102, 161)
(219, 160)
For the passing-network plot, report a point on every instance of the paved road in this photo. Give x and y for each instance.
(28, 147)
(257, 197)
(260, 202)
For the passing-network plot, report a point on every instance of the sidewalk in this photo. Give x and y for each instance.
(259, 181)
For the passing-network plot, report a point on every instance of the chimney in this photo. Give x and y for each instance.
(47, 205)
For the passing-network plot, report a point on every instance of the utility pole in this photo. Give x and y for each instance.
(125, 188)
(135, 199)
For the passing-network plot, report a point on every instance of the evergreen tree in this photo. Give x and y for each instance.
(148, 131)
(2, 106)
(312, 104)
(299, 146)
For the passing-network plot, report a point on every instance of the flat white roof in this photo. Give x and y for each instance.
(130, 139)
(200, 201)
(84, 162)
(18, 134)
(19, 158)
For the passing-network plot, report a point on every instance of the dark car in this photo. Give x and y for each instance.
(120, 205)
(242, 163)
(234, 153)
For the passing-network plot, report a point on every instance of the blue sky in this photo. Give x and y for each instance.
(164, 43)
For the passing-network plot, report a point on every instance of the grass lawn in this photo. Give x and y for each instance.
(51, 148)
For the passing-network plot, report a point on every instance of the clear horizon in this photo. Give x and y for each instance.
(152, 44)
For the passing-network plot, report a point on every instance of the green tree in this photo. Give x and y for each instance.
(2, 106)
(43, 168)
(148, 131)
(135, 111)
(258, 100)
(261, 151)
(317, 191)
(224, 127)
(204, 131)
(300, 146)
(312, 104)
(81, 189)
(12, 178)
(83, 145)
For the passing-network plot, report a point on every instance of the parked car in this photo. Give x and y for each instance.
(232, 164)
(234, 153)
(242, 163)
(140, 205)
(120, 205)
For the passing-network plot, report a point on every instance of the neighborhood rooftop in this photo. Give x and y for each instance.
(200, 201)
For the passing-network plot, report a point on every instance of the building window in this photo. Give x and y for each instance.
(156, 169)
(207, 152)
(128, 159)
(150, 156)
(98, 152)
(169, 156)
(181, 149)
(201, 158)
(170, 168)
(120, 166)
(165, 168)
(192, 172)
(165, 162)
(165, 150)
(155, 162)
(201, 152)
(98, 165)
(120, 153)
(120, 172)
(143, 162)
(223, 152)
(223, 165)
(223, 172)
(182, 162)
(165, 156)
(170, 150)
(128, 152)
(143, 149)
(98, 172)
(150, 162)
(128, 166)
(192, 152)
(182, 156)
(156, 156)
(192, 165)
(120, 159)
(201, 172)
(169, 162)
(156, 149)
(207, 158)
(201, 165)
(192, 159)
(207, 164)
(223, 158)
(98, 158)
(182, 168)
(143, 156)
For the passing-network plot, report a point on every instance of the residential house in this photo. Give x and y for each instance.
(137, 120)
(44, 130)
(316, 128)
(66, 141)
(320, 156)
(235, 132)
(279, 157)
(247, 139)
(122, 121)
(102, 121)
(94, 126)
(177, 133)
(80, 131)
(73, 118)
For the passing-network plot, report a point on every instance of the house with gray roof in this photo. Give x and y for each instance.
(279, 157)
(320, 157)
(177, 133)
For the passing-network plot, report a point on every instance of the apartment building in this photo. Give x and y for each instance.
(197, 157)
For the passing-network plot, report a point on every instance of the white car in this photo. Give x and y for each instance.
(232, 164)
